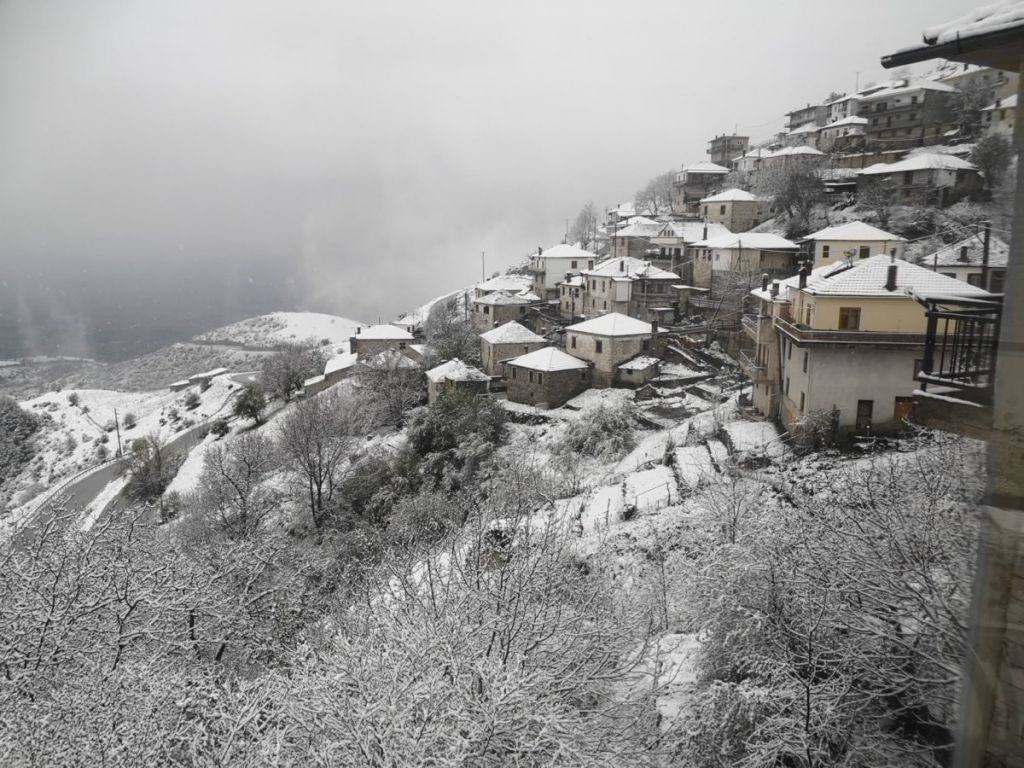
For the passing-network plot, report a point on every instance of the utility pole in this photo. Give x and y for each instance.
(984, 253)
(117, 427)
(483, 269)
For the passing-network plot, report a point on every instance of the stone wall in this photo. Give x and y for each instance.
(550, 388)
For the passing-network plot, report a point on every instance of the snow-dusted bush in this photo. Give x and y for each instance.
(603, 430)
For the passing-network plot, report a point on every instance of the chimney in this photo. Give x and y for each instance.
(890, 278)
(705, 231)
(764, 281)
(775, 288)
(963, 253)
(804, 272)
(539, 250)
(622, 265)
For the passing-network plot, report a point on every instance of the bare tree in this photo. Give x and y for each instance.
(795, 188)
(284, 372)
(318, 439)
(584, 228)
(149, 471)
(656, 197)
(877, 195)
(992, 155)
(232, 480)
(393, 384)
(450, 334)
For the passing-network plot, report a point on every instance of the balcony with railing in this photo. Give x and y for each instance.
(751, 368)
(757, 327)
(803, 334)
(958, 371)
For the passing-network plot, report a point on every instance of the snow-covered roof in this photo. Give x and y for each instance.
(341, 362)
(811, 127)
(313, 380)
(504, 298)
(625, 209)
(613, 324)
(922, 162)
(547, 359)
(511, 333)
(867, 278)
(564, 251)
(641, 363)
(759, 240)
(390, 358)
(851, 120)
(630, 267)
(692, 231)
(981, 21)
(705, 168)
(950, 255)
(456, 370)
(573, 281)
(1010, 102)
(637, 228)
(899, 87)
(853, 230)
(731, 195)
(505, 283)
(786, 151)
(384, 332)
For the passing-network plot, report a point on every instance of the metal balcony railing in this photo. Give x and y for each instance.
(752, 369)
(960, 346)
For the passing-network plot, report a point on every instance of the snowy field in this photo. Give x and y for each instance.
(283, 328)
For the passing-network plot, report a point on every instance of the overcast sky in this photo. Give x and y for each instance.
(206, 158)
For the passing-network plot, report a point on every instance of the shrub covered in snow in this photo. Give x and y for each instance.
(604, 430)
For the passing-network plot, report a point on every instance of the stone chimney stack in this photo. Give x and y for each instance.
(890, 278)
(804, 272)
(775, 288)
(764, 281)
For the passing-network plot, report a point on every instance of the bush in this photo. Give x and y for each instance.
(251, 402)
(604, 431)
(192, 400)
(73, 398)
(129, 421)
(220, 427)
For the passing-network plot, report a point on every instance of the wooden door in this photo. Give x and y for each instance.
(864, 409)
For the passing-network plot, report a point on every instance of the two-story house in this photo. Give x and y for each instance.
(500, 307)
(723, 262)
(927, 178)
(965, 260)
(735, 209)
(546, 377)
(505, 342)
(852, 240)
(998, 118)
(845, 134)
(842, 343)
(548, 267)
(694, 182)
(722, 148)
(609, 341)
(626, 285)
(634, 239)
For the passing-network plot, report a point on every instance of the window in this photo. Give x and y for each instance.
(912, 116)
(646, 344)
(540, 378)
(908, 177)
(997, 281)
(598, 346)
(805, 370)
(705, 211)
(974, 280)
(865, 251)
(572, 265)
(801, 402)
(487, 310)
(513, 373)
(913, 99)
(401, 345)
(849, 318)
(721, 210)
(825, 251)
(583, 375)
(563, 290)
(787, 385)
(789, 353)
(572, 342)
(531, 377)
(605, 303)
(892, 252)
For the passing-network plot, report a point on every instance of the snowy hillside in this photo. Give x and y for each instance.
(283, 328)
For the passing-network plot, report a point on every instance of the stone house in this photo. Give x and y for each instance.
(505, 342)
(852, 240)
(500, 307)
(548, 267)
(745, 253)
(639, 371)
(965, 260)
(633, 240)
(456, 376)
(723, 148)
(998, 118)
(694, 182)
(906, 113)
(624, 285)
(609, 341)
(924, 179)
(846, 134)
(572, 293)
(546, 377)
(379, 338)
(735, 209)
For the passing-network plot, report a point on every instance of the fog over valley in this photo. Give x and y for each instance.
(168, 167)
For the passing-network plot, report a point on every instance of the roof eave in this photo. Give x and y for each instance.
(1000, 49)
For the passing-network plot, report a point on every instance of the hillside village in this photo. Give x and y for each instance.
(673, 491)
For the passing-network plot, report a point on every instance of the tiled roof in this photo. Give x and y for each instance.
(922, 162)
(867, 278)
(456, 370)
(759, 240)
(612, 324)
(852, 230)
(511, 333)
(547, 359)
(731, 195)
(949, 256)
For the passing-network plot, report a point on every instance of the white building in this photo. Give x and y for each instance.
(853, 240)
(549, 267)
(965, 260)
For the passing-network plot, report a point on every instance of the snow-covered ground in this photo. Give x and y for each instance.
(285, 327)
